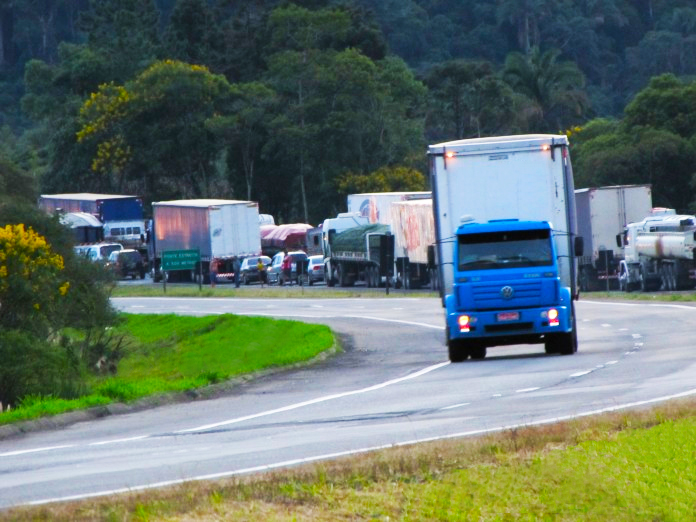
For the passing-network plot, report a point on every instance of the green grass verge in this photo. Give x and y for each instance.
(169, 353)
(255, 291)
(630, 466)
(641, 296)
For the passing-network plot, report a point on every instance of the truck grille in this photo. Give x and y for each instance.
(488, 295)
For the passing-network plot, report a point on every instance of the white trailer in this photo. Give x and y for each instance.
(658, 252)
(376, 206)
(604, 212)
(219, 229)
(505, 225)
(413, 226)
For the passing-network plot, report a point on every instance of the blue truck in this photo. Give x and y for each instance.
(506, 241)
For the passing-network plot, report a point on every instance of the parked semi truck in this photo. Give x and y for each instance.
(413, 227)
(376, 206)
(219, 229)
(604, 212)
(658, 252)
(505, 222)
(121, 215)
(361, 253)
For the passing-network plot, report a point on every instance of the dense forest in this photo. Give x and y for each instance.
(296, 104)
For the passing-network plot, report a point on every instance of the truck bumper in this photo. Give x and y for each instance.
(510, 326)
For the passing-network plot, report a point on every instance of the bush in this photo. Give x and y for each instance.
(30, 366)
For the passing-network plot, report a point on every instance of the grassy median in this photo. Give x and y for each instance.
(173, 353)
(630, 466)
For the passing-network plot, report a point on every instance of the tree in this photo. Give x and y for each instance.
(666, 103)
(192, 35)
(468, 99)
(385, 179)
(553, 89)
(150, 136)
(244, 126)
(125, 32)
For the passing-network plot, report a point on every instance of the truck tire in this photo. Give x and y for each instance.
(342, 281)
(456, 349)
(477, 351)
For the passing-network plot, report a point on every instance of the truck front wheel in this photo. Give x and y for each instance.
(562, 343)
(456, 349)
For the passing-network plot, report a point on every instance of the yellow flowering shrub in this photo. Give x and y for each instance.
(29, 274)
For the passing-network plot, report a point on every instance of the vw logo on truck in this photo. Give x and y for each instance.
(507, 292)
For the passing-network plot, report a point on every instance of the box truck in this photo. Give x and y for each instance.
(376, 206)
(604, 212)
(413, 226)
(121, 215)
(505, 222)
(220, 229)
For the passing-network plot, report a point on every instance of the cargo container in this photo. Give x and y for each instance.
(221, 229)
(505, 226)
(413, 227)
(121, 215)
(604, 212)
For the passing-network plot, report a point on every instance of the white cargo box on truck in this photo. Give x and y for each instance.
(375, 206)
(218, 228)
(413, 227)
(604, 212)
(525, 177)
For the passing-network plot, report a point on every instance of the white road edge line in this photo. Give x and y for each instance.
(456, 406)
(525, 390)
(326, 456)
(35, 450)
(317, 400)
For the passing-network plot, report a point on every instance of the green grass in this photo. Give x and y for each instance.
(629, 466)
(171, 353)
(641, 296)
(255, 291)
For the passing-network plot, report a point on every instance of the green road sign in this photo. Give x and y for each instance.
(180, 259)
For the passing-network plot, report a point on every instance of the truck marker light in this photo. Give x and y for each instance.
(464, 323)
(545, 147)
(449, 154)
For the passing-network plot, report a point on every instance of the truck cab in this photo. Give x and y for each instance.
(507, 290)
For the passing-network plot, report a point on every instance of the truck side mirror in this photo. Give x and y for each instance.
(579, 246)
(619, 242)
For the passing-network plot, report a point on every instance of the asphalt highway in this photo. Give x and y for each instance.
(392, 385)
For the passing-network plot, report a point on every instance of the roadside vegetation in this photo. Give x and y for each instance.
(627, 466)
(157, 354)
(641, 296)
(192, 290)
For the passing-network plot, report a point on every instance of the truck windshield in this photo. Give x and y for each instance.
(508, 249)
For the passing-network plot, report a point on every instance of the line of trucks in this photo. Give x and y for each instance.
(629, 245)
(504, 236)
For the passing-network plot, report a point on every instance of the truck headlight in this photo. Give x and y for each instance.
(464, 322)
(552, 316)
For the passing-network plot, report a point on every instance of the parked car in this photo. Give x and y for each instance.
(249, 271)
(275, 272)
(97, 252)
(315, 269)
(126, 262)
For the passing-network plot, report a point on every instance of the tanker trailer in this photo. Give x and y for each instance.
(659, 252)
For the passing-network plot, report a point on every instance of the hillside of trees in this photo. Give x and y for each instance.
(296, 104)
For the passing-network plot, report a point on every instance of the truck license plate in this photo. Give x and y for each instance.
(508, 316)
